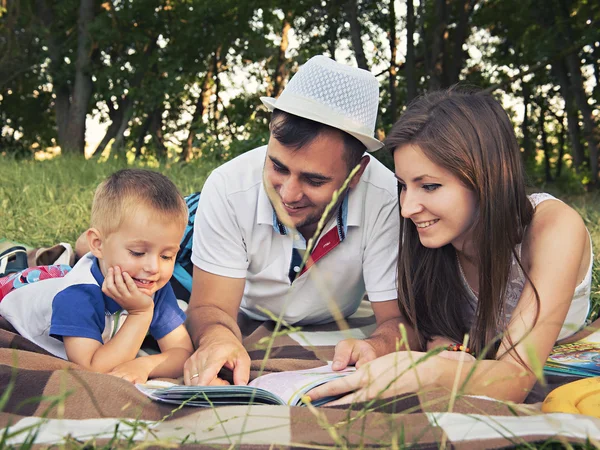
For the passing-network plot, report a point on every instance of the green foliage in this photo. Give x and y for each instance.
(169, 72)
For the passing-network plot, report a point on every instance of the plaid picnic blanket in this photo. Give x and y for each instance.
(50, 401)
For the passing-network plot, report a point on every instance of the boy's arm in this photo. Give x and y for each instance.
(124, 346)
(176, 347)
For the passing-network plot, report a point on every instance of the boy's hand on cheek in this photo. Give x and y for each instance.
(121, 288)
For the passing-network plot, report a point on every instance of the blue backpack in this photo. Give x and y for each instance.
(182, 273)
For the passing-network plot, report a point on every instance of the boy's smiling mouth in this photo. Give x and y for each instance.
(143, 283)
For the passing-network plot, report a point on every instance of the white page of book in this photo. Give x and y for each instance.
(291, 386)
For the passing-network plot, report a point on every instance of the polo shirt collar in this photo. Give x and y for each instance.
(266, 215)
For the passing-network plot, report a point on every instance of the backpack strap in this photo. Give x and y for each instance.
(183, 261)
(12, 260)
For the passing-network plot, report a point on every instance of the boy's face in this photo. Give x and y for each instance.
(145, 247)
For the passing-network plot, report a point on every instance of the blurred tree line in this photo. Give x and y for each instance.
(180, 79)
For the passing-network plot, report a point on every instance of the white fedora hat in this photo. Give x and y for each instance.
(334, 94)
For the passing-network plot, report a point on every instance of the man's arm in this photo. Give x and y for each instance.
(387, 335)
(212, 324)
(383, 340)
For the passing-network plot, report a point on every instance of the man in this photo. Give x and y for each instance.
(257, 213)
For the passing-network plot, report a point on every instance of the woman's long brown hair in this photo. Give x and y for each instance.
(470, 135)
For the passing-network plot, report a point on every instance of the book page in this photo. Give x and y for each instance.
(578, 358)
(281, 388)
(207, 396)
(291, 386)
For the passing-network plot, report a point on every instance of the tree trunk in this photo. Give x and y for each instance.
(411, 80)
(216, 68)
(573, 63)
(560, 71)
(74, 139)
(116, 116)
(437, 46)
(461, 33)
(561, 145)
(142, 136)
(62, 101)
(201, 106)
(281, 72)
(596, 66)
(356, 34)
(332, 29)
(544, 142)
(118, 145)
(393, 78)
(581, 100)
(157, 132)
(527, 150)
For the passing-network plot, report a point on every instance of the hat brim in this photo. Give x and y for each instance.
(370, 142)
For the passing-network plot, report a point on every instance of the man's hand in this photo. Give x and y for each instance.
(122, 289)
(352, 351)
(220, 350)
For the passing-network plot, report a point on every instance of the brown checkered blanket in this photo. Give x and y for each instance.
(50, 401)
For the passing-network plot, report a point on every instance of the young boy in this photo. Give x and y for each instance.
(98, 315)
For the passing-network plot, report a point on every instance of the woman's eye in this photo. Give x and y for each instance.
(431, 187)
(401, 186)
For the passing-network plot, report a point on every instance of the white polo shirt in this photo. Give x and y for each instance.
(235, 235)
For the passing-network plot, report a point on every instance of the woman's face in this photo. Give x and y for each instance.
(441, 207)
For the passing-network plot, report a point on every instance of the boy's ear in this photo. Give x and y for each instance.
(364, 162)
(94, 240)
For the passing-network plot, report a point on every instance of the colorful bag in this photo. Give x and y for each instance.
(31, 275)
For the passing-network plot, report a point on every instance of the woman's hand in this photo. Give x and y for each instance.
(387, 376)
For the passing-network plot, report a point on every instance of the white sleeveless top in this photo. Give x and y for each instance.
(580, 303)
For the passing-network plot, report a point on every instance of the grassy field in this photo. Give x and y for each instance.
(46, 202)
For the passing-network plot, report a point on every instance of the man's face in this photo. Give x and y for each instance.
(305, 179)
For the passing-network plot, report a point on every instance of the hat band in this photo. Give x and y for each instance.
(313, 110)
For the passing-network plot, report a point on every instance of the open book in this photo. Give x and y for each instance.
(279, 388)
(581, 358)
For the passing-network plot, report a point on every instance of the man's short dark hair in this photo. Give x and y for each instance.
(295, 132)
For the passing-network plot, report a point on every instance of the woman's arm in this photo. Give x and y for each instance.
(557, 246)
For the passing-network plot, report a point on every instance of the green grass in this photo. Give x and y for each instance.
(46, 202)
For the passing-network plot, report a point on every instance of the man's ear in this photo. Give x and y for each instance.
(364, 162)
(94, 240)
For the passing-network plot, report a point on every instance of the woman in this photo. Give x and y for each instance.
(478, 258)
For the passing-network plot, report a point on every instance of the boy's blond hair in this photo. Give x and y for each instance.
(126, 190)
